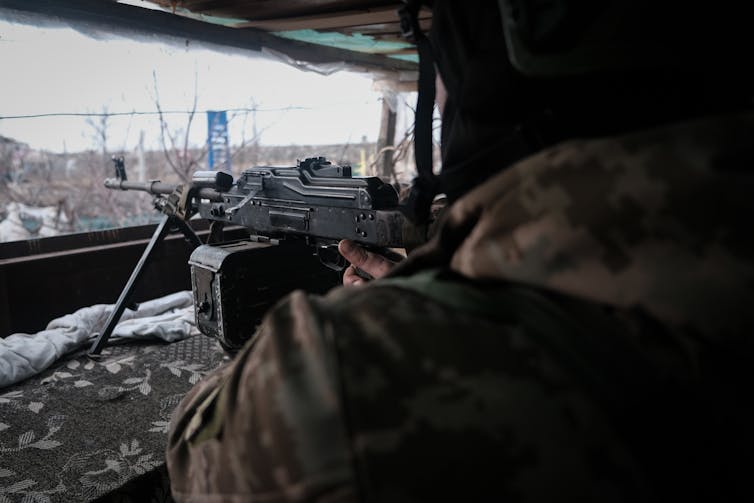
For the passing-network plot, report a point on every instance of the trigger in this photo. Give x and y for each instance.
(330, 257)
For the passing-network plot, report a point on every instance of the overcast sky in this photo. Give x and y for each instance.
(60, 70)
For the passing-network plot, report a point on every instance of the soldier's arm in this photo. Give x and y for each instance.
(405, 398)
(269, 425)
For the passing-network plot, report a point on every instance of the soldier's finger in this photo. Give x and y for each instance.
(352, 252)
(351, 277)
(371, 263)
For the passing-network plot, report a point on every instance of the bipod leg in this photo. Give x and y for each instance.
(159, 234)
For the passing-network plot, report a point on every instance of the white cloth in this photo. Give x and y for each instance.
(169, 318)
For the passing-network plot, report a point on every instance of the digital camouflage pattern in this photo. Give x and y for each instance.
(640, 220)
(577, 330)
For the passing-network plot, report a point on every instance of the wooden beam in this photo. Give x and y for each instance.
(385, 29)
(385, 142)
(328, 21)
(395, 52)
(257, 10)
(130, 21)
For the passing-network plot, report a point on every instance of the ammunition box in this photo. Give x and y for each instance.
(234, 284)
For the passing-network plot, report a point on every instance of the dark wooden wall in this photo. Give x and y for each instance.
(46, 278)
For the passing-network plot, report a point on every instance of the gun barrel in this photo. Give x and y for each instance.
(157, 187)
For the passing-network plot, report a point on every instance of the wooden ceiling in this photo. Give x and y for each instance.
(319, 35)
(373, 18)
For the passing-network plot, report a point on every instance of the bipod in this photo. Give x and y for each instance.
(169, 222)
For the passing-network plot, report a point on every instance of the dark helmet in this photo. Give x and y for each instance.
(523, 74)
(547, 38)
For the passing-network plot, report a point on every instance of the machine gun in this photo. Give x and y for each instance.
(315, 202)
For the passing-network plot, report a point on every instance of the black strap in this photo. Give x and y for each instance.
(426, 185)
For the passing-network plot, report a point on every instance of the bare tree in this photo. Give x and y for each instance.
(183, 160)
(247, 153)
(99, 125)
(85, 197)
(385, 166)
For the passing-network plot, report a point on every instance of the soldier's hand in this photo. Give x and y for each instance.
(362, 261)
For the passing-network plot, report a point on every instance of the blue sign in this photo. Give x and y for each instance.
(217, 140)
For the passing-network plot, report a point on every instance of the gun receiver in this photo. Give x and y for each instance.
(317, 200)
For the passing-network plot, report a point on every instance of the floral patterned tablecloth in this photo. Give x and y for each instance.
(86, 427)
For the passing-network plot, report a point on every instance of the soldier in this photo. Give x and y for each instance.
(579, 327)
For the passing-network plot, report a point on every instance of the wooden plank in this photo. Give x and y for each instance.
(386, 30)
(42, 288)
(328, 21)
(407, 50)
(257, 10)
(38, 288)
(68, 242)
(385, 142)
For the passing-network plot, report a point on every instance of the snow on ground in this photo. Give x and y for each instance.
(27, 222)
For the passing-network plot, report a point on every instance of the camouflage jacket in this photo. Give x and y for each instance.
(579, 329)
